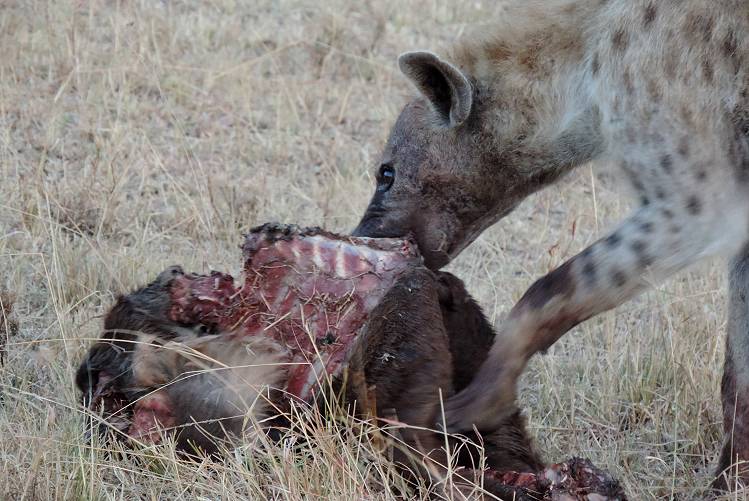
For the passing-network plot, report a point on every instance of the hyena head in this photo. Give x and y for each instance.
(428, 180)
(447, 173)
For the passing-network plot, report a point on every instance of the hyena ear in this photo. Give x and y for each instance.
(445, 86)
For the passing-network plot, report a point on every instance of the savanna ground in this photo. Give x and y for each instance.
(139, 134)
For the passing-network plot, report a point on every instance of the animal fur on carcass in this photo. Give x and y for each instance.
(306, 297)
(203, 358)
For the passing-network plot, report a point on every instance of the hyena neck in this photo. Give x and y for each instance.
(532, 76)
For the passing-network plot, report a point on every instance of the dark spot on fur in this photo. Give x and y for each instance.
(627, 168)
(530, 59)
(656, 139)
(617, 108)
(707, 70)
(644, 201)
(613, 240)
(589, 266)
(687, 115)
(701, 175)
(659, 193)
(694, 206)
(741, 119)
(595, 64)
(589, 272)
(667, 163)
(646, 227)
(643, 259)
(730, 44)
(620, 40)
(631, 135)
(498, 51)
(628, 83)
(730, 50)
(654, 90)
(707, 28)
(739, 146)
(742, 169)
(699, 24)
(649, 15)
(558, 282)
(667, 213)
(619, 278)
(632, 171)
(670, 65)
(683, 149)
(675, 229)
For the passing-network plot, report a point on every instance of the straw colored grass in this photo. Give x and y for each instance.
(139, 134)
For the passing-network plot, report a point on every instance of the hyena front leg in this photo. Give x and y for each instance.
(733, 465)
(653, 243)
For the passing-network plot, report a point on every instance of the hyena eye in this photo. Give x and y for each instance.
(385, 177)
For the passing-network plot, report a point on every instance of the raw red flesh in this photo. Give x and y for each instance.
(310, 290)
(573, 480)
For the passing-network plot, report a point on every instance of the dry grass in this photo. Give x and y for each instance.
(138, 134)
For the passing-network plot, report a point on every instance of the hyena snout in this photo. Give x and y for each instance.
(437, 239)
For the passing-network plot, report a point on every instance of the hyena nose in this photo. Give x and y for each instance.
(358, 231)
(367, 227)
(379, 224)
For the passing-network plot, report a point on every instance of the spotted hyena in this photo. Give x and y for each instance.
(658, 88)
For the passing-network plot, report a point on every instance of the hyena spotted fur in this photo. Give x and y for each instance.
(657, 88)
